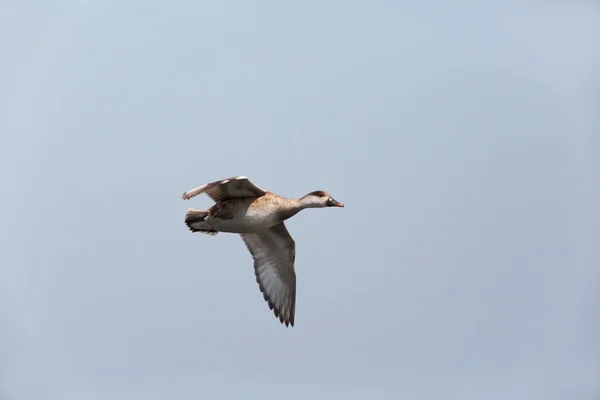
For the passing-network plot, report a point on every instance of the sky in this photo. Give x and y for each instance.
(463, 140)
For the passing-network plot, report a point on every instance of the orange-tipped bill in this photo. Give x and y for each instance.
(334, 203)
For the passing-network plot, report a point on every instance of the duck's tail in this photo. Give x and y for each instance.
(195, 220)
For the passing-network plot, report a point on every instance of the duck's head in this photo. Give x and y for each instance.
(318, 199)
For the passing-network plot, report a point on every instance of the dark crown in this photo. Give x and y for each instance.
(318, 193)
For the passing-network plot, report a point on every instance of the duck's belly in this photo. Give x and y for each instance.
(245, 221)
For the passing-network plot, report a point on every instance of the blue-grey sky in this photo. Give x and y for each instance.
(463, 140)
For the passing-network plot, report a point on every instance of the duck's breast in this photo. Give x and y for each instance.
(261, 216)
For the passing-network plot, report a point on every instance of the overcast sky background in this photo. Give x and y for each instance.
(463, 141)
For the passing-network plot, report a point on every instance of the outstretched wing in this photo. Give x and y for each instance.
(238, 186)
(274, 253)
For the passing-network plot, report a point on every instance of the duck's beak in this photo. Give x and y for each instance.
(333, 203)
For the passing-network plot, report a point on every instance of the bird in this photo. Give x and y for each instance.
(258, 216)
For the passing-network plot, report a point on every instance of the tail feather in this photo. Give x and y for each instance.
(194, 219)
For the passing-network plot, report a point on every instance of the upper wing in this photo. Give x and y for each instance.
(274, 252)
(238, 186)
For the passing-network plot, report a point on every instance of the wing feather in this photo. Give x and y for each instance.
(273, 251)
(237, 186)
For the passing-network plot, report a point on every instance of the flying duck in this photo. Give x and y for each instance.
(258, 216)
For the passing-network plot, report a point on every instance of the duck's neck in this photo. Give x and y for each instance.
(304, 202)
(288, 207)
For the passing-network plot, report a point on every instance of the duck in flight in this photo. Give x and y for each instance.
(258, 216)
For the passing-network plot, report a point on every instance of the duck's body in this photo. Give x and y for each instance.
(249, 214)
(258, 215)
